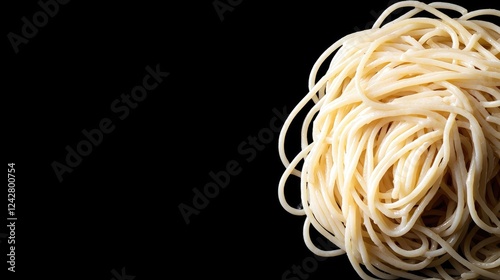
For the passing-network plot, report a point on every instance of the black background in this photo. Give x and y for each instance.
(119, 208)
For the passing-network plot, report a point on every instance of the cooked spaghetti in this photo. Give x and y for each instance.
(399, 162)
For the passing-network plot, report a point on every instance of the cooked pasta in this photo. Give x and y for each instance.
(399, 162)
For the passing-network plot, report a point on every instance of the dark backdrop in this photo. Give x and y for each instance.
(182, 180)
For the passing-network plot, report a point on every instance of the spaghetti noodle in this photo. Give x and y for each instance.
(400, 148)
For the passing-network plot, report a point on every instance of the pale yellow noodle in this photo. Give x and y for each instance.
(400, 146)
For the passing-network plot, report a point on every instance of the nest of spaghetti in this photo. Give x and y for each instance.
(400, 154)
